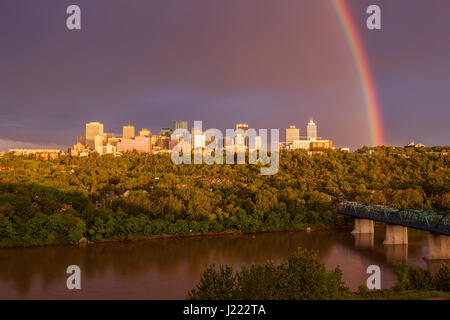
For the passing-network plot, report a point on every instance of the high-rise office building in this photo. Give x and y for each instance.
(99, 141)
(109, 137)
(228, 142)
(256, 145)
(81, 140)
(128, 132)
(241, 139)
(242, 126)
(165, 132)
(180, 125)
(144, 132)
(292, 134)
(311, 130)
(198, 138)
(93, 129)
(153, 140)
(163, 142)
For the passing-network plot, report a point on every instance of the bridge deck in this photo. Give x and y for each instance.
(417, 219)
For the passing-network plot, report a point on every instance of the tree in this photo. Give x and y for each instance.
(215, 285)
(301, 277)
(441, 280)
(401, 271)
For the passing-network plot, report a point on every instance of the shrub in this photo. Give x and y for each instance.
(441, 280)
(420, 279)
(301, 277)
(215, 285)
(401, 271)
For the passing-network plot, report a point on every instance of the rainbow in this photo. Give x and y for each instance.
(362, 66)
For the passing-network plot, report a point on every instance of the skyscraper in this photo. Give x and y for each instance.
(311, 130)
(144, 132)
(128, 132)
(242, 126)
(99, 141)
(180, 125)
(241, 138)
(93, 129)
(292, 134)
(81, 140)
(166, 132)
(198, 138)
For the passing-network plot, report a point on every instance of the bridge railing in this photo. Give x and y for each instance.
(418, 219)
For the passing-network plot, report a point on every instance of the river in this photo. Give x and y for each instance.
(168, 268)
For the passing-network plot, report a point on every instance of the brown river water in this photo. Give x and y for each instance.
(168, 268)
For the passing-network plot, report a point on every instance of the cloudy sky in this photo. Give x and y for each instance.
(268, 63)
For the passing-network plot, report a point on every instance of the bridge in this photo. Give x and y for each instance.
(398, 222)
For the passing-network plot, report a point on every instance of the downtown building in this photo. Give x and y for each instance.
(39, 154)
(312, 141)
(180, 125)
(145, 132)
(292, 134)
(93, 129)
(95, 140)
(138, 143)
(243, 140)
(128, 132)
(79, 150)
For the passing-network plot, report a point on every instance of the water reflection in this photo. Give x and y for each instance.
(166, 269)
(363, 240)
(397, 252)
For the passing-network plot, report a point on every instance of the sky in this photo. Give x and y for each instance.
(267, 63)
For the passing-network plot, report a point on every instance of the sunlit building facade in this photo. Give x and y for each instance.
(128, 132)
(139, 143)
(292, 134)
(40, 154)
(144, 132)
(311, 130)
(93, 129)
(180, 125)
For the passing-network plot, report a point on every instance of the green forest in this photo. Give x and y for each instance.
(138, 195)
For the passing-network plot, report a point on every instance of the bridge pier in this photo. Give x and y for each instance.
(363, 226)
(438, 247)
(396, 234)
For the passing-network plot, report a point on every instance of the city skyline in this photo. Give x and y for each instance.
(169, 68)
(129, 131)
(97, 140)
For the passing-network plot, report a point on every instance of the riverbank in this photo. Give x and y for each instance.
(84, 241)
(215, 234)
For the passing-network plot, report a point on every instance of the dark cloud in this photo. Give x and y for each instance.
(269, 63)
